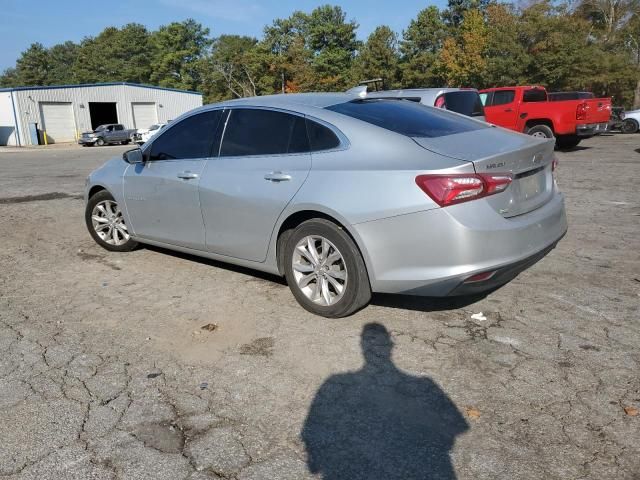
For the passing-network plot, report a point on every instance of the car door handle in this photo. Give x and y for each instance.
(509, 110)
(277, 177)
(187, 175)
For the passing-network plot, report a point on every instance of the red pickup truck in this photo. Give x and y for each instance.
(527, 110)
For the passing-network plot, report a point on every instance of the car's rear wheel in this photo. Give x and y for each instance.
(630, 125)
(540, 131)
(325, 270)
(100, 142)
(106, 224)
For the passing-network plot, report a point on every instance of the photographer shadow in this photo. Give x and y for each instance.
(381, 423)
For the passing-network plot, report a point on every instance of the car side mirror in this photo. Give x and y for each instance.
(133, 156)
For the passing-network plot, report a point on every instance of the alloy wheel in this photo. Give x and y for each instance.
(319, 270)
(108, 223)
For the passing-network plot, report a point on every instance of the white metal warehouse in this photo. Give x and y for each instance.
(65, 111)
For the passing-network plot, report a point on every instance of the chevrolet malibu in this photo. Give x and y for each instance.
(341, 195)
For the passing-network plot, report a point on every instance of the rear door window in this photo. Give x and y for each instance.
(321, 137)
(193, 137)
(263, 132)
(407, 118)
(503, 97)
(465, 102)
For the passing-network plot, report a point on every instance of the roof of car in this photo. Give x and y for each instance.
(416, 92)
(320, 100)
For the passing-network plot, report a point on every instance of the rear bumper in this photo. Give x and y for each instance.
(591, 129)
(433, 252)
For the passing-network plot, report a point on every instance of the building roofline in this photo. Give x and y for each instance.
(106, 84)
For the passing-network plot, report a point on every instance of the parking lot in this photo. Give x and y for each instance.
(107, 372)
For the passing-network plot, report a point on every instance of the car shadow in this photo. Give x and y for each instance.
(578, 148)
(425, 304)
(218, 264)
(637, 150)
(379, 422)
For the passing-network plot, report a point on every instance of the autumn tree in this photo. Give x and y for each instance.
(462, 60)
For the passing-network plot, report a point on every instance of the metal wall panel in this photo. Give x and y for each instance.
(170, 104)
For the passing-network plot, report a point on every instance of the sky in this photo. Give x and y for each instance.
(23, 22)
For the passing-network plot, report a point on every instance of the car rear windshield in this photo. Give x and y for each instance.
(406, 117)
(465, 102)
(534, 95)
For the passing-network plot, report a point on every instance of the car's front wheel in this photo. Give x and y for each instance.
(325, 270)
(100, 142)
(106, 225)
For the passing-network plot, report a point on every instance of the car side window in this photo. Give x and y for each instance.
(263, 132)
(118, 127)
(502, 97)
(321, 137)
(193, 137)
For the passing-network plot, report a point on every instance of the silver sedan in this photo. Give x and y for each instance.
(342, 195)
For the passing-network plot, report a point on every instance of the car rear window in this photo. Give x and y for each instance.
(465, 102)
(534, 95)
(407, 118)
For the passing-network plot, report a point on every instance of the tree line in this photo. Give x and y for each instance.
(581, 45)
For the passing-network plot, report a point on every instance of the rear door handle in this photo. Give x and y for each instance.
(277, 177)
(187, 175)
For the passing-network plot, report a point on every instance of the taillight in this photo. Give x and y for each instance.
(581, 111)
(451, 189)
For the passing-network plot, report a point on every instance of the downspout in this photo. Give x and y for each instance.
(15, 120)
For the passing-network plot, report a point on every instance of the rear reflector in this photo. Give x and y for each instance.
(480, 277)
(451, 189)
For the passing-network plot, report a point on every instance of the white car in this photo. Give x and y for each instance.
(631, 121)
(144, 134)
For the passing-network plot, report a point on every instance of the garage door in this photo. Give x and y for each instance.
(144, 114)
(58, 122)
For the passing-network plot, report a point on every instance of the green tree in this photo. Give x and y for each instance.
(332, 40)
(178, 49)
(506, 58)
(9, 78)
(456, 10)
(62, 57)
(232, 70)
(34, 66)
(115, 55)
(379, 57)
(421, 42)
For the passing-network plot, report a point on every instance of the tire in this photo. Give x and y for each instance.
(111, 216)
(100, 142)
(126, 142)
(311, 273)
(629, 125)
(567, 142)
(540, 131)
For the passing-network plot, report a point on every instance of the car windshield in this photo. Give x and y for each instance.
(154, 127)
(101, 127)
(406, 117)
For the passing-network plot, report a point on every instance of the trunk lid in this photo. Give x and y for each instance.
(598, 110)
(496, 150)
